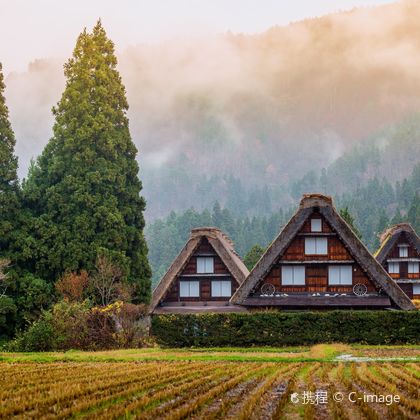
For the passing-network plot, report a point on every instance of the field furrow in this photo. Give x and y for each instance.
(209, 390)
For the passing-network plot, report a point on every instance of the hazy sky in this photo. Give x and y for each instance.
(32, 29)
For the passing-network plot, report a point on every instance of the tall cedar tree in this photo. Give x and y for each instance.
(84, 190)
(9, 186)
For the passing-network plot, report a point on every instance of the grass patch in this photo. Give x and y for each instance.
(317, 353)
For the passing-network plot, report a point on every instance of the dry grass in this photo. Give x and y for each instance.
(207, 390)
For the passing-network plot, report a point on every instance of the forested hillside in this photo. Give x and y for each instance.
(374, 205)
(263, 108)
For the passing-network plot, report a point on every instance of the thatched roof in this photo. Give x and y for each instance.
(390, 236)
(223, 247)
(323, 204)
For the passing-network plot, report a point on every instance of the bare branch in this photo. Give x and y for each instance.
(4, 264)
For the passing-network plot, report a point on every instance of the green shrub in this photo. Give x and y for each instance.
(77, 325)
(40, 336)
(286, 328)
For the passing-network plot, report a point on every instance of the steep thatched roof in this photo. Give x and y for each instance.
(357, 249)
(390, 236)
(223, 247)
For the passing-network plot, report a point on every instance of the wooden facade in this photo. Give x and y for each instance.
(318, 262)
(316, 266)
(399, 254)
(189, 273)
(203, 277)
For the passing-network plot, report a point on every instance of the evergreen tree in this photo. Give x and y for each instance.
(398, 218)
(253, 255)
(414, 213)
(9, 186)
(217, 215)
(84, 190)
(382, 224)
(345, 214)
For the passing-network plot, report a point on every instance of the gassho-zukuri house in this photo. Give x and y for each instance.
(399, 254)
(316, 262)
(202, 277)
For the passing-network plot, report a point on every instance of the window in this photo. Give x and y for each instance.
(316, 246)
(316, 225)
(393, 268)
(403, 251)
(340, 274)
(189, 288)
(413, 267)
(205, 265)
(292, 275)
(416, 289)
(221, 288)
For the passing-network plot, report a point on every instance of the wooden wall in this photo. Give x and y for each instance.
(316, 274)
(394, 254)
(204, 249)
(317, 280)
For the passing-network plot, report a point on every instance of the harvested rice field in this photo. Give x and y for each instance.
(216, 389)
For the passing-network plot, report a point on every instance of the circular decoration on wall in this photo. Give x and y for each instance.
(359, 289)
(268, 289)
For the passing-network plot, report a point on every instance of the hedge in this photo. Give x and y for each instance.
(286, 328)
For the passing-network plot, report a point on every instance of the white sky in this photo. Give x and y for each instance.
(31, 29)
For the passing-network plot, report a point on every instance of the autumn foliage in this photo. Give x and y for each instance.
(72, 286)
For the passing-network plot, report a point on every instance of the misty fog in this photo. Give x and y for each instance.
(266, 108)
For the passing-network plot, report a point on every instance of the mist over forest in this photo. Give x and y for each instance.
(252, 121)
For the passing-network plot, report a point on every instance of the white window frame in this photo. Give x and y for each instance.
(293, 275)
(416, 289)
(394, 268)
(316, 224)
(221, 288)
(205, 265)
(316, 247)
(413, 268)
(189, 288)
(342, 271)
(403, 251)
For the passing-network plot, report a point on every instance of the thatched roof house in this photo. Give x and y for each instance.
(202, 277)
(399, 254)
(318, 262)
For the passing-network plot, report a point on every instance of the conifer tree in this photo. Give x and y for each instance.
(84, 190)
(253, 255)
(9, 186)
(345, 214)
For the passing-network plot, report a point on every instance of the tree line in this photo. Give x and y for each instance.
(369, 209)
(80, 209)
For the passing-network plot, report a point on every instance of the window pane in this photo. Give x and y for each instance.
(209, 261)
(393, 268)
(403, 251)
(216, 288)
(184, 289)
(226, 288)
(321, 246)
(286, 275)
(189, 289)
(346, 275)
(194, 289)
(416, 289)
(316, 225)
(299, 276)
(413, 267)
(310, 248)
(333, 275)
(201, 265)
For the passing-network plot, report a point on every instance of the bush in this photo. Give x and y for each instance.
(8, 312)
(286, 328)
(40, 336)
(75, 325)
